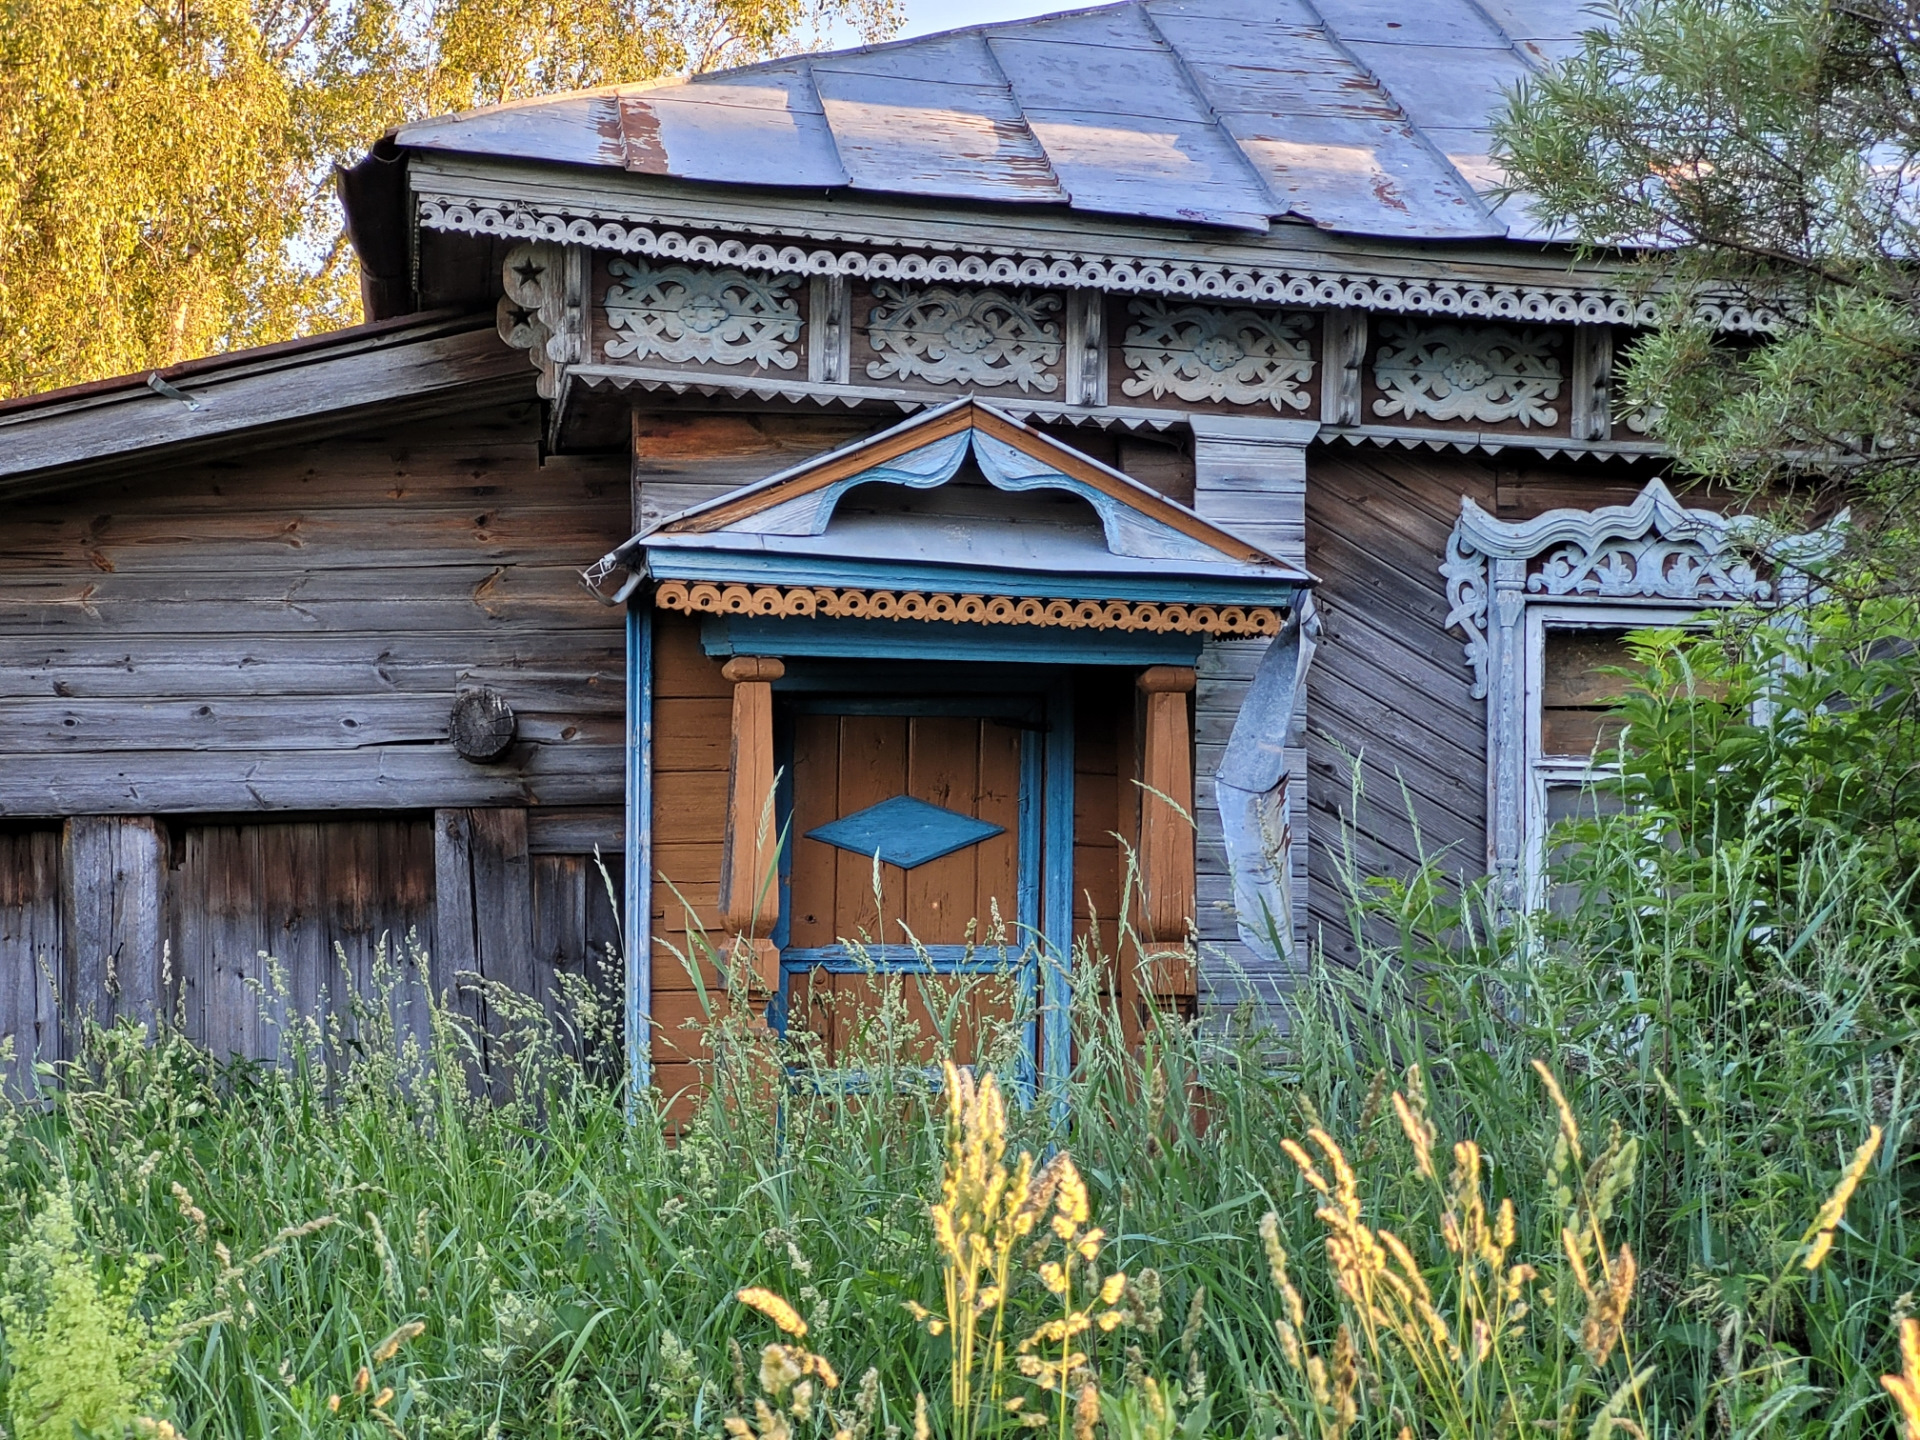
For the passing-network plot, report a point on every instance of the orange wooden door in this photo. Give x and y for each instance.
(911, 896)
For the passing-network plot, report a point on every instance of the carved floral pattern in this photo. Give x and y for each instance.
(1457, 372)
(1650, 568)
(1653, 549)
(1197, 352)
(719, 317)
(965, 337)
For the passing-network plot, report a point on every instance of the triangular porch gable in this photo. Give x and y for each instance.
(930, 449)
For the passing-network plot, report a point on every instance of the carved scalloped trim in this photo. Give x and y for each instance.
(1121, 274)
(704, 597)
(1654, 548)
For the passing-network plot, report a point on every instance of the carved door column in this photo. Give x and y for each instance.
(749, 882)
(1167, 869)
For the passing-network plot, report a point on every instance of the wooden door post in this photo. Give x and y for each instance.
(749, 886)
(1167, 870)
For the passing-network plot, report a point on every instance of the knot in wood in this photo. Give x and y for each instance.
(481, 725)
(753, 667)
(1174, 679)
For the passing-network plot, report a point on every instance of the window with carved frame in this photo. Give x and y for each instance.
(1544, 606)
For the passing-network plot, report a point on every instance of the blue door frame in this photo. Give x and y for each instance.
(1047, 761)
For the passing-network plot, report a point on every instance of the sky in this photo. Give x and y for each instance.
(926, 16)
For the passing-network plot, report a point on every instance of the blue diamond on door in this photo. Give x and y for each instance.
(904, 831)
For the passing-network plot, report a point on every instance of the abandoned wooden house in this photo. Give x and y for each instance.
(861, 498)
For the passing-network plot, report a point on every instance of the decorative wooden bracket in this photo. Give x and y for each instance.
(1167, 869)
(749, 885)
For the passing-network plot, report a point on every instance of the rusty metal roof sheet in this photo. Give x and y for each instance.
(1366, 117)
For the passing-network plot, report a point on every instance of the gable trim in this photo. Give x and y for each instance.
(959, 417)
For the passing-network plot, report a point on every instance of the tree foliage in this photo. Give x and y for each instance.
(165, 165)
(1768, 150)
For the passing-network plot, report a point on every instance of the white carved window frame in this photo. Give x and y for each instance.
(1651, 563)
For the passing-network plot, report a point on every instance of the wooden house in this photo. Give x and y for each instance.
(861, 498)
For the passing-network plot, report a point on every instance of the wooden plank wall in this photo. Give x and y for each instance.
(290, 920)
(1255, 485)
(692, 743)
(114, 917)
(1106, 826)
(1389, 695)
(191, 654)
(32, 952)
(252, 935)
(288, 630)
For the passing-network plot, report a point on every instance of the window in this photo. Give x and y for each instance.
(1571, 653)
(1545, 605)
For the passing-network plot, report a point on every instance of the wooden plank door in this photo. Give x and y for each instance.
(928, 950)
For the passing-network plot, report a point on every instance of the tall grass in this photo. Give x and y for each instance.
(1607, 1147)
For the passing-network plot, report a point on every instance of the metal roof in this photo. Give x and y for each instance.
(1366, 117)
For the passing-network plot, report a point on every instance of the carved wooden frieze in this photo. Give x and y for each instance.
(1208, 354)
(1487, 375)
(687, 314)
(1203, 353)
(945, 336)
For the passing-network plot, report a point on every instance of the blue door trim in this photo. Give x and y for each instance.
(1057, 924)
(637, 882)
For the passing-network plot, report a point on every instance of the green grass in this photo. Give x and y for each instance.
(1738, 1006)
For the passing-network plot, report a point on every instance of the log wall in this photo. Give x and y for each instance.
(288, 631)
(224, 762)
(1389, 697)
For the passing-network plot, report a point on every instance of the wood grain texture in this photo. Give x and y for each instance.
(1396, 741)
(290, 923)
(287, 629)
(114, 919)
(578, 976)
(31, 953)
(483, 892)
(692, 743)
(1257, 487)
(304, 389)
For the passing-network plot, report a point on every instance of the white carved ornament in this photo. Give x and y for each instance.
(1457, 372)
(1198, 352)
(1653, 549)
(965, 337)
(1110, 270)
(539, 309)
(717, 317)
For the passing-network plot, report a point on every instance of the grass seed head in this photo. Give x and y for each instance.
(775, 1308)
(1905, 1387)
(1827, 1222)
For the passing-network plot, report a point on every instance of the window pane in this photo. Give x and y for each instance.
(1576, 691)
(1572, 801)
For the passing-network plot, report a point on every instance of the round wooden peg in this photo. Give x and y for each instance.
(482, 724)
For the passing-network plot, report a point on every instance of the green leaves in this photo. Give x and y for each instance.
(166, 168)
(1759, 153)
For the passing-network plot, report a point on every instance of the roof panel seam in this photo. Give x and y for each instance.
(826, 121)
(1013, 99)
(1501, 31)
(1419, 134)
(1205, 101)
